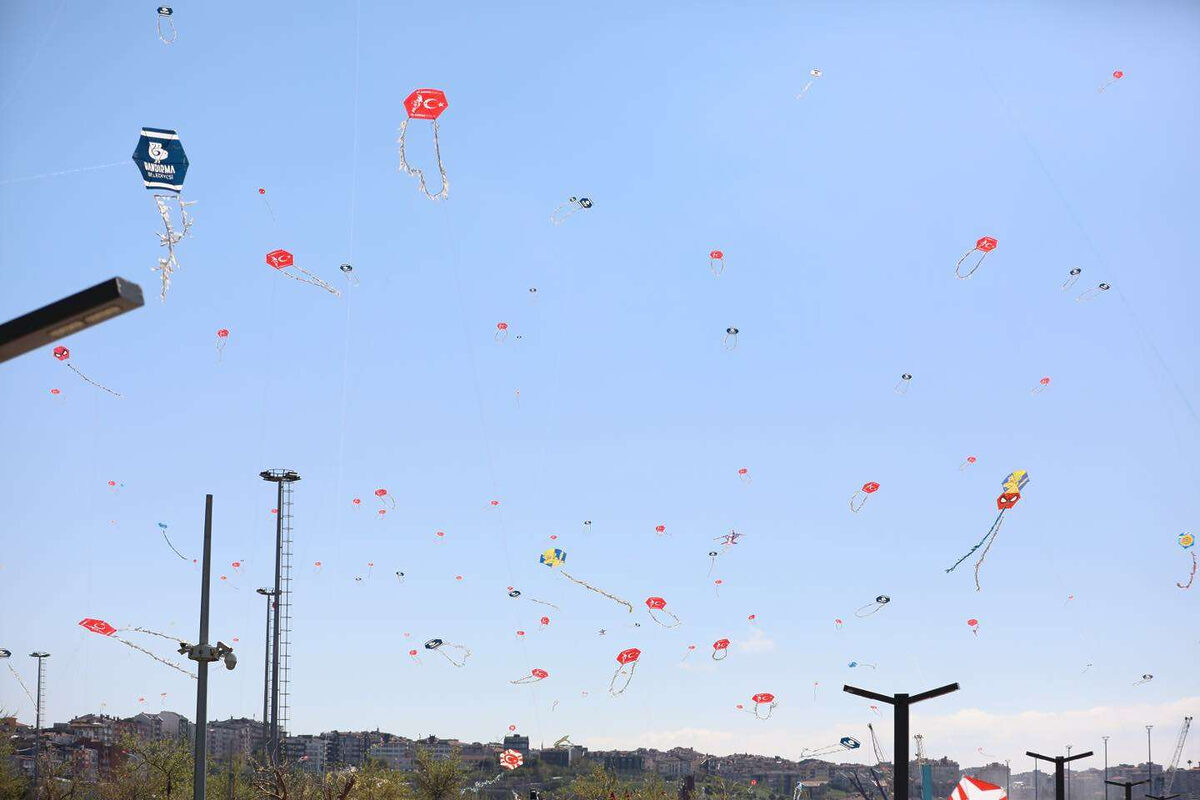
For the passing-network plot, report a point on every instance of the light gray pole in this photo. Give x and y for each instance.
(1149, 761)
(1069, 772)
(269, 594)
(1105, 738)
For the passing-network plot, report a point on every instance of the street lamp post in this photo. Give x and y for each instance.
(204, 654)
(69, 315)
(1060, 784)
(1149, 759)
(1127, 786)
(1069, 771)
(900, 705)
(270, 594)
(1105, 738)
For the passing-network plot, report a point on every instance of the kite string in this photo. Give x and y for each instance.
(586, 585)
(168, 541)
(17, 675)
(10, 181)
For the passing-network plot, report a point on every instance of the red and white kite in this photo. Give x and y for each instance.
(974, 789)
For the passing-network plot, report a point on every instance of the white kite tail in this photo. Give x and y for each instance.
(420, 174)
(92, 382)
(170, 237)
(612, 597)
(160, 660)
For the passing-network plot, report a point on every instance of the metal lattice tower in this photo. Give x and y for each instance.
(1183, 732)
(281, 624)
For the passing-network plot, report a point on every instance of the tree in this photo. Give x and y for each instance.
(599, 784)
(167, 764)
(278, 782)
(12, 785)
(437, 779)
(377, 782)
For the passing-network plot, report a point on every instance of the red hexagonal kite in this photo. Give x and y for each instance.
(425, 104)
(280, 259)
(98, 626)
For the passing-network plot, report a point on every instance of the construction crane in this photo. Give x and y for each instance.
(1170, 777)
(926, 769)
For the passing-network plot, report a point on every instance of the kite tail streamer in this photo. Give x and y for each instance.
(312, 280)
(92, 382)
(1190, 577)
(17, 675)
(174, 639)
(466, 654)
(160, 660)
(169, 238)
(543, 602)
(480, 784)
(173, 550)
(991, 531)
(612, 597)
(420, 174)
(995, 530)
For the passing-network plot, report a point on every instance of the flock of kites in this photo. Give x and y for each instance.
(163, 164)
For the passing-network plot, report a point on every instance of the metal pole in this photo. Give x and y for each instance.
(900, 746)
(273, 753)
(1149, 760)
(1036, 776)
(1007, 779)
(37, 741)
(1105, 738)
(268, 594)
(1069, 772)
(199, 772)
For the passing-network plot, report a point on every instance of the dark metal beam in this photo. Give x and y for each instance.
(69, 315)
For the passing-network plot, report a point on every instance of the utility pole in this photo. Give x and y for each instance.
(1127, 786)
(268, 593)
(1007, 779)
(41, 704)
(1069, 771)
(204, 654)
(1105, 738)
(900, 705)
(1149, 759)
(1060, 783)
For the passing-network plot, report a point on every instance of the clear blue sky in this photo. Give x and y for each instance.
(841, 217)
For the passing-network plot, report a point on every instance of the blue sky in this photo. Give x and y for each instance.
(841, 217)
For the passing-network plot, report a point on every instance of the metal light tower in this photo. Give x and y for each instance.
(900, 704)
(1127, 785)
(282, 618)
(268, 593)
(41, 706)
(1060, 783)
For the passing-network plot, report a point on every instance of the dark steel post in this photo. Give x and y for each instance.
(1060, 783)
(273, 753)
(900, 747)
(268, 594)
(199, 768)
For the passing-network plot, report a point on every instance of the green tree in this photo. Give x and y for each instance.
(288, 783)
(599, 784)
(437, 779)
(377, 782)
(12, 785)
